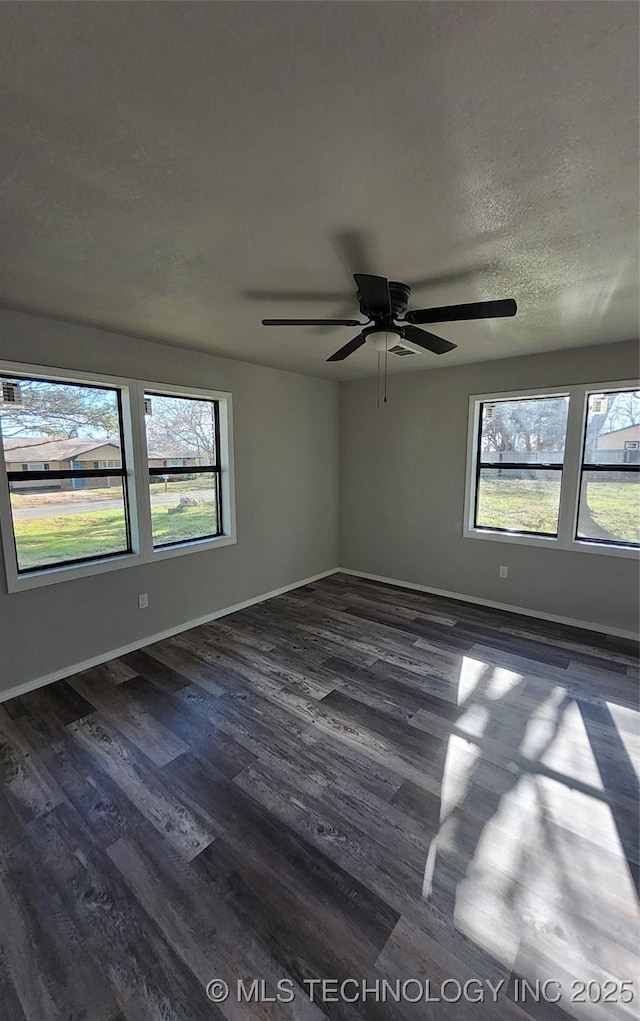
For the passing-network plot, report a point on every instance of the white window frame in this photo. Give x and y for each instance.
(570, 476)
(135, 448)
(228, 508)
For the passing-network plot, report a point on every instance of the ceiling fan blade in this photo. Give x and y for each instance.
(429, 341)
(294, 295)
(348, 349)
(374, 292)
(353, 247)
(456, 313)
(311, 322)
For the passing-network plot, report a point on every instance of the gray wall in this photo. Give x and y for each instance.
(402, 477)
(286, 462)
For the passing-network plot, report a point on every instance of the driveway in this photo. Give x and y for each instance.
(58, 510)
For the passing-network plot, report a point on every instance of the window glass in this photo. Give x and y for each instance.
(52, 432)
(610, 507)
(184, 472)
(79, 524)
(613, 426)
(519, 500)
(520, 455)
(609, 501)
(72, 415)
(531, 429)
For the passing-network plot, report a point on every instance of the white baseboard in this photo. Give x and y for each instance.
(104, 657)
(585, 624)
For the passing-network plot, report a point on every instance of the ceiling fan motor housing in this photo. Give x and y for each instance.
(399, 294)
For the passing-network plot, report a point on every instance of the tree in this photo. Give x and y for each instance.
(61, 411)
(525, 426)
(620, 411)
(182, 427)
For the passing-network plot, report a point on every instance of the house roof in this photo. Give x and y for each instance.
(21, 441)
(38, 449)
(623, 429)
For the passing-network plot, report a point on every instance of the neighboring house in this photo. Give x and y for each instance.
(24, 453)
(162, 458)
(38, 454)
(622, 446)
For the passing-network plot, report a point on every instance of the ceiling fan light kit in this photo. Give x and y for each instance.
(384, 340)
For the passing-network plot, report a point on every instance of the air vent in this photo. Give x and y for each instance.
(598, 405)
(400, 349)
(10, 393)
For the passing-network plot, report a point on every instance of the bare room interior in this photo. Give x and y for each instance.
(319, 511)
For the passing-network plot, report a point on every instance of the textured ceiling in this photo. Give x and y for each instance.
(164, 163)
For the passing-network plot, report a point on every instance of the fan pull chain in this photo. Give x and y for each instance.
(386, 355)
(378, 383)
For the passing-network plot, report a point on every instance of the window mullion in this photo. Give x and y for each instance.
(6, 522)
(140, 480)
(569, 491)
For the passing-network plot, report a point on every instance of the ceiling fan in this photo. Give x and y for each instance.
(384, 303)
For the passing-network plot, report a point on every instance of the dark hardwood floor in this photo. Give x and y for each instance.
(350, 781)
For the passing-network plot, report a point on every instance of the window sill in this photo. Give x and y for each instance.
(197, 546)
(551, 542)
(53, 575)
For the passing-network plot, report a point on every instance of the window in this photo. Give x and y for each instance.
(549, 468)
(183, 449)
(609, 502)
(519, 464)
(103, 473)
(65, 514)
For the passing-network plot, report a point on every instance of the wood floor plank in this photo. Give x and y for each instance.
(145, 976)
(11, 825)
(176, 714)
(67, 981)
(57, 701)
(130, 719)
(31, 789)
(114, 672)
(348, 780)
(194, 668)
(140, 663)
(390, 863)
(188, 833)
(200, 927)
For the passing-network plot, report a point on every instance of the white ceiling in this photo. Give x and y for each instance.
(161, 161)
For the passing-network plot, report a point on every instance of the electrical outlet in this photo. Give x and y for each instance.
(504, 571)
(143, 601)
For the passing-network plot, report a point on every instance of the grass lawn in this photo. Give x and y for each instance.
(71, 536)
(615, 506)
(532, 505)
(188, 524)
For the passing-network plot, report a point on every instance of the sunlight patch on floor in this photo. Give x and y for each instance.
(531, 866)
